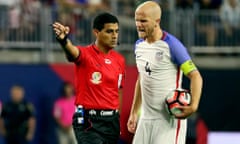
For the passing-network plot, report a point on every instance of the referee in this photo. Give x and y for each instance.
(99, 77)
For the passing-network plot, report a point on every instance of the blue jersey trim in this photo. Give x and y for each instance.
(137, 42)
(178, 51)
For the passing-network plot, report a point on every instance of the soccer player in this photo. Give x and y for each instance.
(99, 77)
(161, 59)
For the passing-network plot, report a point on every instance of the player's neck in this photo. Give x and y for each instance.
(157, 35)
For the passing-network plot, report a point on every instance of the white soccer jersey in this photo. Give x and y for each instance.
(158, 65)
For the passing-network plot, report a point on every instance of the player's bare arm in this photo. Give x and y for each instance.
(62, 32)
(31, 128)
(133, 118)
(137, 97)
(196, 89)
(2, 127)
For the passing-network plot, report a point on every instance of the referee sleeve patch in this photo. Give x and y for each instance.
(187, 67)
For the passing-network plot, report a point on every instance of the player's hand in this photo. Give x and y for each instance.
(60, 30)
(29, 136)
(132, 123)
(186, 112)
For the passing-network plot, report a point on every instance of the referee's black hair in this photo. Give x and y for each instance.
(103, 18)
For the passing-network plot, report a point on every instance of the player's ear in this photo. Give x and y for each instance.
(157, 22)
(95, 32)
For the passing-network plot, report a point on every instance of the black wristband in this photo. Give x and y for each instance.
(62, 42)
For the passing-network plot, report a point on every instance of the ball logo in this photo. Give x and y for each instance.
(96, 78)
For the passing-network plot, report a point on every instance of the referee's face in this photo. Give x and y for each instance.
(107, 38)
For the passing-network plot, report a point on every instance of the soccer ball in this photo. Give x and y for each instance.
(176, 98)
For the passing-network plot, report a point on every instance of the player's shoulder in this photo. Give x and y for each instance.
(27, 103)
(172, 40)
(139, 41)
(168, 37)
(30, 106)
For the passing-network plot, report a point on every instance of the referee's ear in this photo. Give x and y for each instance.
(95, 32)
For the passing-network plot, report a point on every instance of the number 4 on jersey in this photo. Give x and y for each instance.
(147, 68)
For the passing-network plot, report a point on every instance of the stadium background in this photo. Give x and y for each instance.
(30, 56)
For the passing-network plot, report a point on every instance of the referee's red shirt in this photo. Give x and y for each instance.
(98, 77)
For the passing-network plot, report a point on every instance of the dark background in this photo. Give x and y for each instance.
(219, 105)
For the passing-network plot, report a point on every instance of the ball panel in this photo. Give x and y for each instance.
(175, 111)
(184, 98)
(175, 98)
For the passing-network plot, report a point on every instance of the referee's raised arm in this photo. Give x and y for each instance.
(61, 31)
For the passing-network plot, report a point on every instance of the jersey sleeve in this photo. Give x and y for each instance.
(180, 56)
(81, 55)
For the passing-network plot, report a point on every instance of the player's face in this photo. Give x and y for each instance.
(68, 90)
(108, 36)
(144, 25)
(17, 94)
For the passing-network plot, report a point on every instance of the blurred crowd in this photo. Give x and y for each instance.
(213, 22)
(21, 19)
(217, 21)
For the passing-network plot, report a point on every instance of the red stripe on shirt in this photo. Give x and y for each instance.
(178, 78)
(179, 121)
(178, 130)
